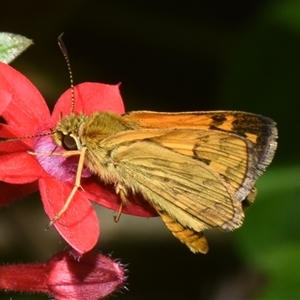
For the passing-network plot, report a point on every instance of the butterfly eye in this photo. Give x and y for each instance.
(69, 143)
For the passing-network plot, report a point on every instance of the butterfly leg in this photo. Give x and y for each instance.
(121, 190)
(76, 185)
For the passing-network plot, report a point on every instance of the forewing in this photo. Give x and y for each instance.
(260, 130)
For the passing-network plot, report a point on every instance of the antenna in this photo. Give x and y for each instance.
(66, 56)
(3, 139)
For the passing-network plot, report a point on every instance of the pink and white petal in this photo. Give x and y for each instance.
(90, 97)
(27, 107)
(78, 225)
(10, 192)
(19, 168)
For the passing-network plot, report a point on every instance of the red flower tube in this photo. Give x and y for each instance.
(90, 277)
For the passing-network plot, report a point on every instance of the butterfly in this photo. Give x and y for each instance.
(196, 169)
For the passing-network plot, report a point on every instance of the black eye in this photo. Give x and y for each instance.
(69, 143)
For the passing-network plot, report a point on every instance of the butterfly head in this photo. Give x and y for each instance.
(66, 134)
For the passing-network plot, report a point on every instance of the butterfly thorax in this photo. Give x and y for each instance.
(93, 133)
(99, 126)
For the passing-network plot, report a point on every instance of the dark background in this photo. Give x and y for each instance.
(176, 56)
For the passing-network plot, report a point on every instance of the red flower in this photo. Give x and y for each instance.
(5, 100)
(27, 114)
(90, 277)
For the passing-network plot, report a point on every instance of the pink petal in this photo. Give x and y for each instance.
(90, 97)
(79, 224)
(60, 167)
(27, 108)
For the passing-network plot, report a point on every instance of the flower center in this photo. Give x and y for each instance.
(58, 166)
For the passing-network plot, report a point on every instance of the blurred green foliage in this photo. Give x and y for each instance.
(265, 72)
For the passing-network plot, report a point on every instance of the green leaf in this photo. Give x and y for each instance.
(12, 45)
